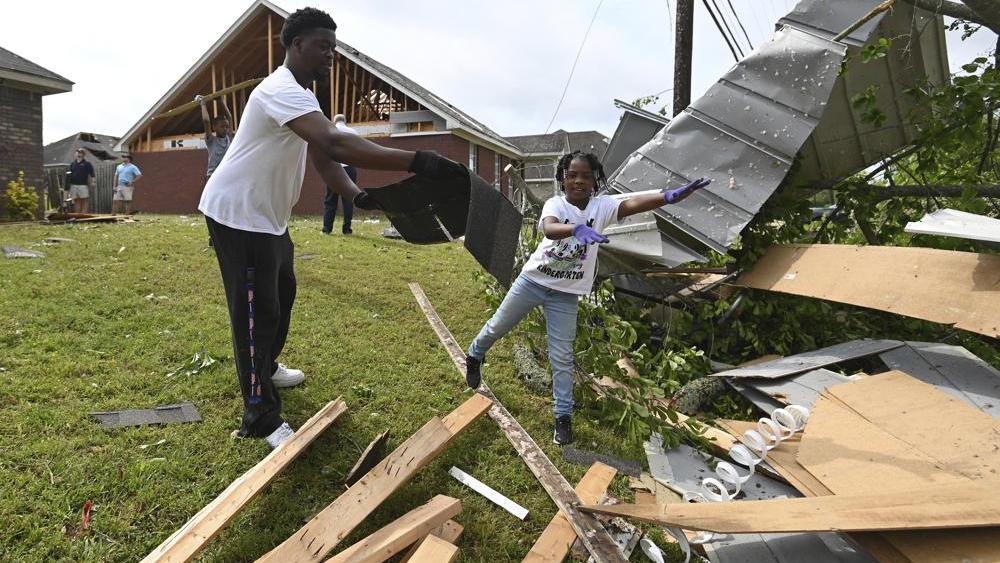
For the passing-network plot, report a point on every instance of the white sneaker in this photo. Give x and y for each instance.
(287, 377)
(281, 435)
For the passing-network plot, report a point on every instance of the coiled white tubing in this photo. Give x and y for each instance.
(749, 453)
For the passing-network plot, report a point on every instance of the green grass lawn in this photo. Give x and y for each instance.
(99, 323)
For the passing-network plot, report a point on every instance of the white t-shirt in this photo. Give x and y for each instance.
(260, 177)
(566, 265)
(341, 126)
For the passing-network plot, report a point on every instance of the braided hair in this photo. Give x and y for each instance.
(600, 180)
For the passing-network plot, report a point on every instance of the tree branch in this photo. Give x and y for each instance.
(988, 11)
(883, 193)
(952, 9)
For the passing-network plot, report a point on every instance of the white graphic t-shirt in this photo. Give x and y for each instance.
(260, 177)
(566, 265)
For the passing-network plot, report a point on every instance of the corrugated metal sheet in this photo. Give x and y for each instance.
(786, 100)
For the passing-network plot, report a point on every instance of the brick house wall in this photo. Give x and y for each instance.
(172, 181)
(20, 140)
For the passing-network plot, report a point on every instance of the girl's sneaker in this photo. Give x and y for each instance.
(564, 430)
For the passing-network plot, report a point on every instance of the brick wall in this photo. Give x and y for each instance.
(20, 140)
(172, 181)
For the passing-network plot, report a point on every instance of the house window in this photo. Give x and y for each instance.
(496, 171)
(473, 158)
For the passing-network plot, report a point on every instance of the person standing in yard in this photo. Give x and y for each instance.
(126, 175)
(81, 179)
(562, 269)
(218, 134)
(330, 201)
(248, 201)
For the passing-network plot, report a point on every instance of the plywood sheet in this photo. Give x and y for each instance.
(949, 287)
(952, 369)
(949, 431)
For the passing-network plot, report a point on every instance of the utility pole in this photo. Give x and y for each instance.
(684, 30)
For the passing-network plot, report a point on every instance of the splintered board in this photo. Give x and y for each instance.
(943, 286)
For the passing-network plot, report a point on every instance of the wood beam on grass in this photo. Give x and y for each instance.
(435, 550)
(450, 531)
(190, 538)
(328, 528)
(554, 543)
(592, 534)
(401, 532)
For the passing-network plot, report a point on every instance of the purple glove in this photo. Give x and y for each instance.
(676, 195)
(586, 235)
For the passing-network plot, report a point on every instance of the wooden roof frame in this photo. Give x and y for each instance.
(452, 116)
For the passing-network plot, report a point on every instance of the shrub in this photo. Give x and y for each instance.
(22, 201)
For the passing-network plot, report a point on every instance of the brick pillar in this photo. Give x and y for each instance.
(20, 141)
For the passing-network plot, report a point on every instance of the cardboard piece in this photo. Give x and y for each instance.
(943, 286)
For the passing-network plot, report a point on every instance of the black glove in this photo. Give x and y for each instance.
(365, 201)
(435, 166)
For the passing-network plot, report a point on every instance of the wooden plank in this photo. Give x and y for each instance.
(555, 541)
(963, 505)
(215, 102)
(328, 528)
(450, 531)
(943, 286)
(401, 532)
(190, 538)
(815, 359)
(435, 550)
(595, 538)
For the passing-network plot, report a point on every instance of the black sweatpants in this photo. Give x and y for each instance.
(269, 258)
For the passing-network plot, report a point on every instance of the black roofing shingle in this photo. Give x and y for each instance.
(15, 62)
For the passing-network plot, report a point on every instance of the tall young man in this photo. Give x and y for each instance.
(248, 200)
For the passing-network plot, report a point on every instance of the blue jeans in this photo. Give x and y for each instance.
(560, 324)
(330, 205)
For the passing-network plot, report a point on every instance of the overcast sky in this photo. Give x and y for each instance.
(504, 63)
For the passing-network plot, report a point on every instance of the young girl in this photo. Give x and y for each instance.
(562, 269)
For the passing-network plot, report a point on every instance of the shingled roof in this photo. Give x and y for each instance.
(561, 142)
(16, 68)
(63, 151)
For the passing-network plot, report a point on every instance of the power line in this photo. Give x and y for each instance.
(721, 32)
(573, 68)
(729, 31)
(766, 32)
(737, 16)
